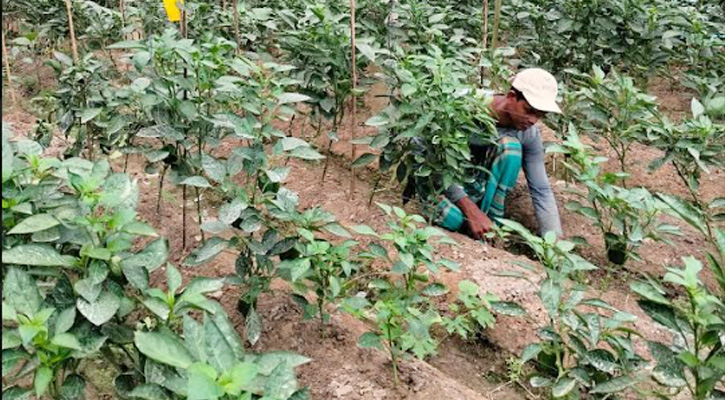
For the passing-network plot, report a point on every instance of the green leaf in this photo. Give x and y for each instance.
(370, 340)
(337, 229)
(202, 383)
(508, 308)
(286, 98)
(531, 351)
(163, 347)
(149, 391)
(42, 379)
(241, 376)
(540, 381)
(697, 108)
(65, 320)
(281, 383)
(21, 292)
(306, 153)
(137, 275)
(101, 310)
(139, 228)
(173, 278)
(73, 388)
(364, 230)
(253, 326)
(196, 181)
(669, 370)
(563, 387)
(614, 385)
(119, 190)
(649, 292)
(37, 255)
(90, 113)
(207, 251)
(151, 257)
(364, 160)
(550, 294)
(35, 223)
(214, 168)
(662, 314)
(67, 340)
(366, 50)
(377, 120)
(11, 339)
(435, 289)
(11, 359)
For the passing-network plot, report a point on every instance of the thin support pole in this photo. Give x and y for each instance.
(9, 75)
(73, 43)
(353, 122)
(484, 38)
(496, 20)
(235, 10)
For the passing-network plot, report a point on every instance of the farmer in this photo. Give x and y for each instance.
(473, 208)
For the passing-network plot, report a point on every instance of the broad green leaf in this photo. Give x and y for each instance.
(281, 383)
(196, 181)
(11, 358)
(286, 98)
(669, 370)
(540, 381)
(336, 229)
(649, 292)
(370, 340)
(89, 113)
(73, 388)
(364, 230)
(42, 379)
(11, 339)
(37, 255)
(306, 153)
(253, 326)
(119, 190)
(435, 289)
(563, 387)
(101, 310)
(614, 385)
(173, 278)
(21, 292)
(202, 383)
(214, 168)
(151, 257)
(377, 120)
(531, 351)
(149, 391)
(217, 351)
(163, 347)
(207, 251)
(364, 160)
(139, 228)
(65, 320)
(366, 50)
(507, 308)
(67, 340)
(35, 223)
(241, 376)
(697, 108)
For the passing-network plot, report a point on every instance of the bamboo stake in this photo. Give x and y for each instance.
(484, 41)
(353, 121)
(235, 9)
(7, 68)
(496, 19)
(73, 44)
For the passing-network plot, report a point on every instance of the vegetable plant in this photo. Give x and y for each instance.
(625, 217)
(695, 360)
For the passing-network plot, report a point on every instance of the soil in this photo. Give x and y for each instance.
(473, 369)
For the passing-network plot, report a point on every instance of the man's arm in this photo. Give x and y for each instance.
(547, 212)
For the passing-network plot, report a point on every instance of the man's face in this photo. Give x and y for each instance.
(522, 114)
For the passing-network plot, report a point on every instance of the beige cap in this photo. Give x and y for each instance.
(539, 89)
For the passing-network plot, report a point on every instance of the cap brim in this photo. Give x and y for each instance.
(543, 104)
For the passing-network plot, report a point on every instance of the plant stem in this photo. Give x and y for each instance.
(484, 35)
(235, 10)
(183, 218)
(391, 347)
(161, 187)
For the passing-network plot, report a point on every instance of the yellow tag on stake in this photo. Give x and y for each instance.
(172, 11)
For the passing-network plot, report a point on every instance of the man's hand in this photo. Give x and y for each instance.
(478, 222)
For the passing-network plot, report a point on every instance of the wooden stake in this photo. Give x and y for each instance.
(73, 44)
(7, 69)
(235, 9)
(122, 10)
(484, 41)
(353, 121)
(496, 19)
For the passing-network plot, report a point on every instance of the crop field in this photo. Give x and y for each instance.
(216, 199)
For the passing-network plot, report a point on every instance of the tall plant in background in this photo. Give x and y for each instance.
(424, 134)
(626, 217)
(611, 107)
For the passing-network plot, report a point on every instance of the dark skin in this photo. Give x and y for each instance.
(509, 112)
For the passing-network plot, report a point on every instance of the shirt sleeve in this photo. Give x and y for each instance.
(547, 212)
